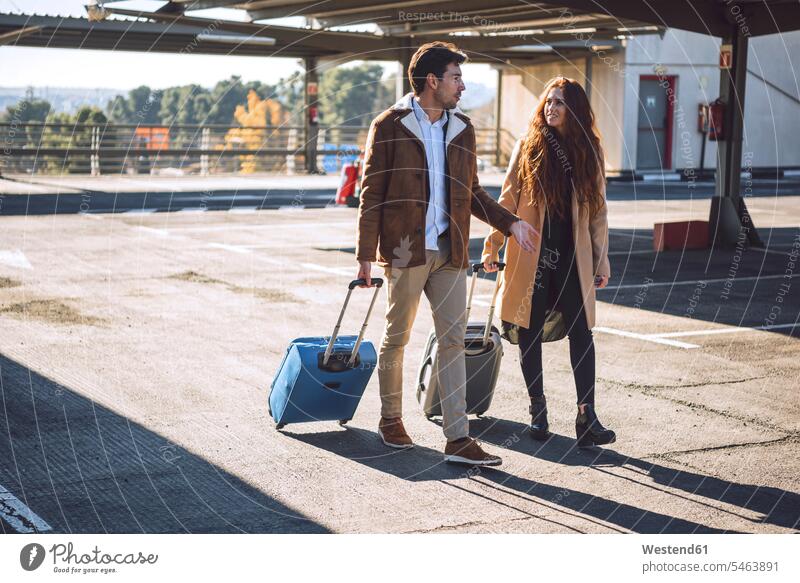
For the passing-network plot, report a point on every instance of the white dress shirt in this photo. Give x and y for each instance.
(437, 220)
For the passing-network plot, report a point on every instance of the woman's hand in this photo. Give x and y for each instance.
(525, 235)
(601, 281)
(489, 266)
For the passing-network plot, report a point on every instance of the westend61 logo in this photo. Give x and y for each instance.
(65, 560)
(31, 556)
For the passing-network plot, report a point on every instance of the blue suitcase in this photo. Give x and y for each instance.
(323, 378)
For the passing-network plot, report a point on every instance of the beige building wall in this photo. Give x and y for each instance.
(772, 102)
(522, 88)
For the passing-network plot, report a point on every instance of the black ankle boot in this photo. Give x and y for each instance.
(540, 428)
(590, 431)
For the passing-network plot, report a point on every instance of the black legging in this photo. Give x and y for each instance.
(557, 284)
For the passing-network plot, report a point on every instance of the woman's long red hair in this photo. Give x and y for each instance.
(545, 155)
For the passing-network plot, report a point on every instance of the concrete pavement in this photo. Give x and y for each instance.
(138, 349)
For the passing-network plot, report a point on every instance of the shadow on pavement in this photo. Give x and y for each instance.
(735, 287)
(86, 469)
(776, 506)
(740, 287)
(424, 464)
(104, 202)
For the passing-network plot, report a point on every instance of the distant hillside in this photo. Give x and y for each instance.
(476, 101)
(63, 99)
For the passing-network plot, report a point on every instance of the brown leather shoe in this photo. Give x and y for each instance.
(468, 451)
(394, 434)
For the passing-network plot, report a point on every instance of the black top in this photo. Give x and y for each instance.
(557, 230)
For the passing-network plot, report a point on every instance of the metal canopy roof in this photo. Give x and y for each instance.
(497, 31)
(175, 36)
(510, 31)
(705, 16)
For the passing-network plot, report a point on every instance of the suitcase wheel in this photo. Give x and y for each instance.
(343, 422)
(429, 417)
(280, 426)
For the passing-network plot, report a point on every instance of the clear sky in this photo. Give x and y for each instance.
(40, 67)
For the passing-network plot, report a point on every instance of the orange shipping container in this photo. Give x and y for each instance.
(153, 138)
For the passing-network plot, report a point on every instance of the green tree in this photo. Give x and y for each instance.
(170, 104)
(90, 115)
(28, 109)
(290, 92)
(202, 107)
(144, 103)
(119, 111)
(141, 106)
(352, 96)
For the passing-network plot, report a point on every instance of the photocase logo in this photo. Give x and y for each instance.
(31, 556)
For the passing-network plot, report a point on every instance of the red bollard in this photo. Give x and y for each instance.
(347, 185)
(680, 235)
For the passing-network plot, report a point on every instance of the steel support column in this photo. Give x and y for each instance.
(311, 117)
(729, 221)
(405, 55)
(498, 121)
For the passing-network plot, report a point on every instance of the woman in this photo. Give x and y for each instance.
(556, 182)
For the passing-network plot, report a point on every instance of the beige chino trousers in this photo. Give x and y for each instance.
(445, 286)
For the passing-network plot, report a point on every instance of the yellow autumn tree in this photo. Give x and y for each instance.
(255, 118)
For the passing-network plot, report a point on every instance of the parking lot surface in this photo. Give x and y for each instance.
(138, 350)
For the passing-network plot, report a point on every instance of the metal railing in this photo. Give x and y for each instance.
(59, 148)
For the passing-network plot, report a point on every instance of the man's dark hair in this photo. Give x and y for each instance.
(432, 58)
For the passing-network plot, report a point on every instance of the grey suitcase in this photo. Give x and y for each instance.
(483, 353)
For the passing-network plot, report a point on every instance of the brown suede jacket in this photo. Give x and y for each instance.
(395, 190)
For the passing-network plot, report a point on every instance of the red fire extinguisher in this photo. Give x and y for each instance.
(354, 200)
(347, 184)
(716, 115)
(313, 114)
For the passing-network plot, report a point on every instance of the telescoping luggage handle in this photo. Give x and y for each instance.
(476, 267)
(377, 282)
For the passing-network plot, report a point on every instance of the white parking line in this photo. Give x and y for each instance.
(273, 261)
(333, 270)
(148, 183)
(636, 252)
(152, 231)
(661, 177)
(629, 235)
(696, 281)
(271, 226)
(231, 248)
(321, 245)
(193, 210)
(645, 337)
(15, 258)
(21, 518)
(241, 210)
(725, 330)
(775, 251)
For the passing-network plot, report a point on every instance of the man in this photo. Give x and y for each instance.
(419, 189)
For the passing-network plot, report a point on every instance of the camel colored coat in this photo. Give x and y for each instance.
(591, 249)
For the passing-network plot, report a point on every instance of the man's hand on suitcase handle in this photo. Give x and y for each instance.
(525, 235)
(365, 272)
